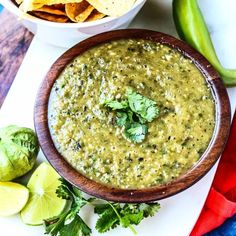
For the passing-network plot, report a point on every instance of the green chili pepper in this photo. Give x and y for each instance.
(192, 28)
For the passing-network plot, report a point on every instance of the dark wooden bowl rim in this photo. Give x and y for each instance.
(206, 161)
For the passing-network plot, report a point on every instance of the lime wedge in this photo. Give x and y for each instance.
(13, 198)
(43, 202)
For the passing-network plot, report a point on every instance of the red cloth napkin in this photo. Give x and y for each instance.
(221, 200)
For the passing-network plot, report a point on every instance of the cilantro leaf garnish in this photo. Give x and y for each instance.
(116, 105)
(149, 209)
(142, 106)
(69, 223)
(107, 217)
(136, 132)
(133, 114)
(113, 214)
(122, 118)
(110, 215)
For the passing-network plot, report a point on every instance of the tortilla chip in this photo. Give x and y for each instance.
(25, 8)
(51, 10)
(30, 5)
(50, 17)
(75, 10)
(78, 12)
(52, 2)
(95, 15)
(84, 15)
(112, 7)
(60, 6)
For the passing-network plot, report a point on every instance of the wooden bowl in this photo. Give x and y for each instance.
(208, 158)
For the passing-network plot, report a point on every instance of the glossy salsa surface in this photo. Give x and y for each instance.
(85, 132)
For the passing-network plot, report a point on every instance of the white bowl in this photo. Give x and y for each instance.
(68, 34)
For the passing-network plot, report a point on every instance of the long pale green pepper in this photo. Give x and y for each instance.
(192, 28)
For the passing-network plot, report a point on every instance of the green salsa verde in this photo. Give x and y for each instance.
(84, 131)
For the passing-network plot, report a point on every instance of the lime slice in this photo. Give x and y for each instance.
(43, 202)
(13, 198)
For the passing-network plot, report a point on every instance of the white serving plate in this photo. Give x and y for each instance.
(179, 213)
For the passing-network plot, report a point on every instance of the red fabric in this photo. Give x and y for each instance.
(221, 200)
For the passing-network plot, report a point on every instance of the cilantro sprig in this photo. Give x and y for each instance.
(69, 223)
(133, 114)
(113, 214)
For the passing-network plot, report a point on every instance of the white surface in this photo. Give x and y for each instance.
(178, 213)
(67, 34)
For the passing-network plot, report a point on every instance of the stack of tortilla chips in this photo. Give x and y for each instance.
(75, 10)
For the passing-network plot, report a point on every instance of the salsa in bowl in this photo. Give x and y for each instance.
(132, 115)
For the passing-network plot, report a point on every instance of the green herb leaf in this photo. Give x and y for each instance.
(64, 191)
(69, 223)
(53, 225)
(131, 219)
(122, 119)
(75, 227)
(116, 105)
(149, 209)
(113, 214)
(66, 225)
(107, 217)
(136, 132)
(144, 107)
(133, 114)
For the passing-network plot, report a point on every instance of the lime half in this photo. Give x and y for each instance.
(43, 202)
(13, 198)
